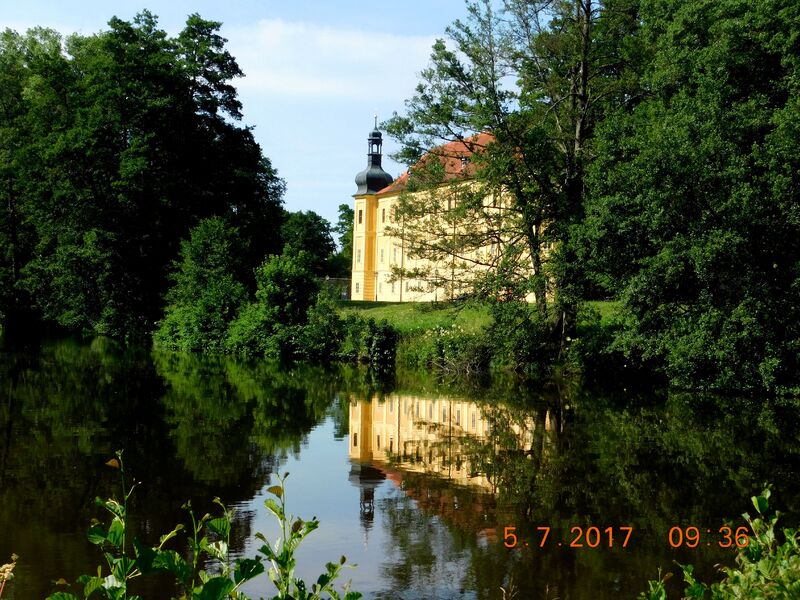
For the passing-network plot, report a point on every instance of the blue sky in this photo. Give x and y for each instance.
(315, 73)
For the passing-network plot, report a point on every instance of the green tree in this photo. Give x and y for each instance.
(311, 234)
(272, 325)
(537, 77)
(342, 261)
(693, 216)
(206, 295)
(111, 150)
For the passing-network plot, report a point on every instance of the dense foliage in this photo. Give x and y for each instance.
(655, 144)
(112, 147)
(694, 216)
(634, 153)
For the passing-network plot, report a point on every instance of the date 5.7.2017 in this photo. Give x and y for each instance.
(580, 537)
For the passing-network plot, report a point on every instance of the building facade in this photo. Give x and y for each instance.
(377, 251)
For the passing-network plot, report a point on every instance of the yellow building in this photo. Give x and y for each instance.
(375, 250)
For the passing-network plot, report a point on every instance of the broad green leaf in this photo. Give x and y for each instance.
(247, 568)
(761, 504)
(221, 526)
(91, 585)
(116, 532)
(171, 561)
(216, 588)
(274, 508)
(218, 550)
(123, 567)
(275, 490)
(96, 534)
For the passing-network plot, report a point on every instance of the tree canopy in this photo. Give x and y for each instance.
(112, 147)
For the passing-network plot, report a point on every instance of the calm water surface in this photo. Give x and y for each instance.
(413, 479)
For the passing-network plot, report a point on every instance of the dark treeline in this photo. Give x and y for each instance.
(113, 147)
(649, 147)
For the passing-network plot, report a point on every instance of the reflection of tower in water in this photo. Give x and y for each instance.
(367, 478)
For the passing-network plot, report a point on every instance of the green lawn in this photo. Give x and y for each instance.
(415, 317)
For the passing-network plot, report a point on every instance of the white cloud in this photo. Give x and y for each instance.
(307, 59)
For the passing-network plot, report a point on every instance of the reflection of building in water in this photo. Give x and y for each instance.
(427, 435)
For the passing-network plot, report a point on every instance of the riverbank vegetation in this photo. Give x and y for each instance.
(767, 564)
(648, 163)
(205, 570)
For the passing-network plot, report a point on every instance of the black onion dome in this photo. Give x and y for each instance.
(373, 178)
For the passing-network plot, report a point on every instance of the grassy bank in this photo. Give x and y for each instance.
(410, 318)
(461, 336)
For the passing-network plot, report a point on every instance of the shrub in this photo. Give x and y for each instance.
(764, 568)
(522, 341)
(287, 287)
(321, 336)
(249, 332)
(449, 349)
(365, 340)
(206, 294)
(273, 325)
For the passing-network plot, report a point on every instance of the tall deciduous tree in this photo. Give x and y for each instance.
(537, 76)
(112, 147)
(206, 295)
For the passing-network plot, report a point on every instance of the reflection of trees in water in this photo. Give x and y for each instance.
(192, 427)
(573, 458)
(421, 553)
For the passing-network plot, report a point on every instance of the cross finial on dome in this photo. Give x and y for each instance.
(376, 120)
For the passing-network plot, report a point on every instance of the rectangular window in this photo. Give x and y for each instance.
(358, 256)
(393, 287)
(355, 440)
(473, 420)
(458, 417)
(360, 216)
(379, 442)
(381, 255)
(383, 215)
(356, 287)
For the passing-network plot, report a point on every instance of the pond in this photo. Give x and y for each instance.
(420, 482)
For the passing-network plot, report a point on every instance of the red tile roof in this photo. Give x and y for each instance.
(450, 155)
